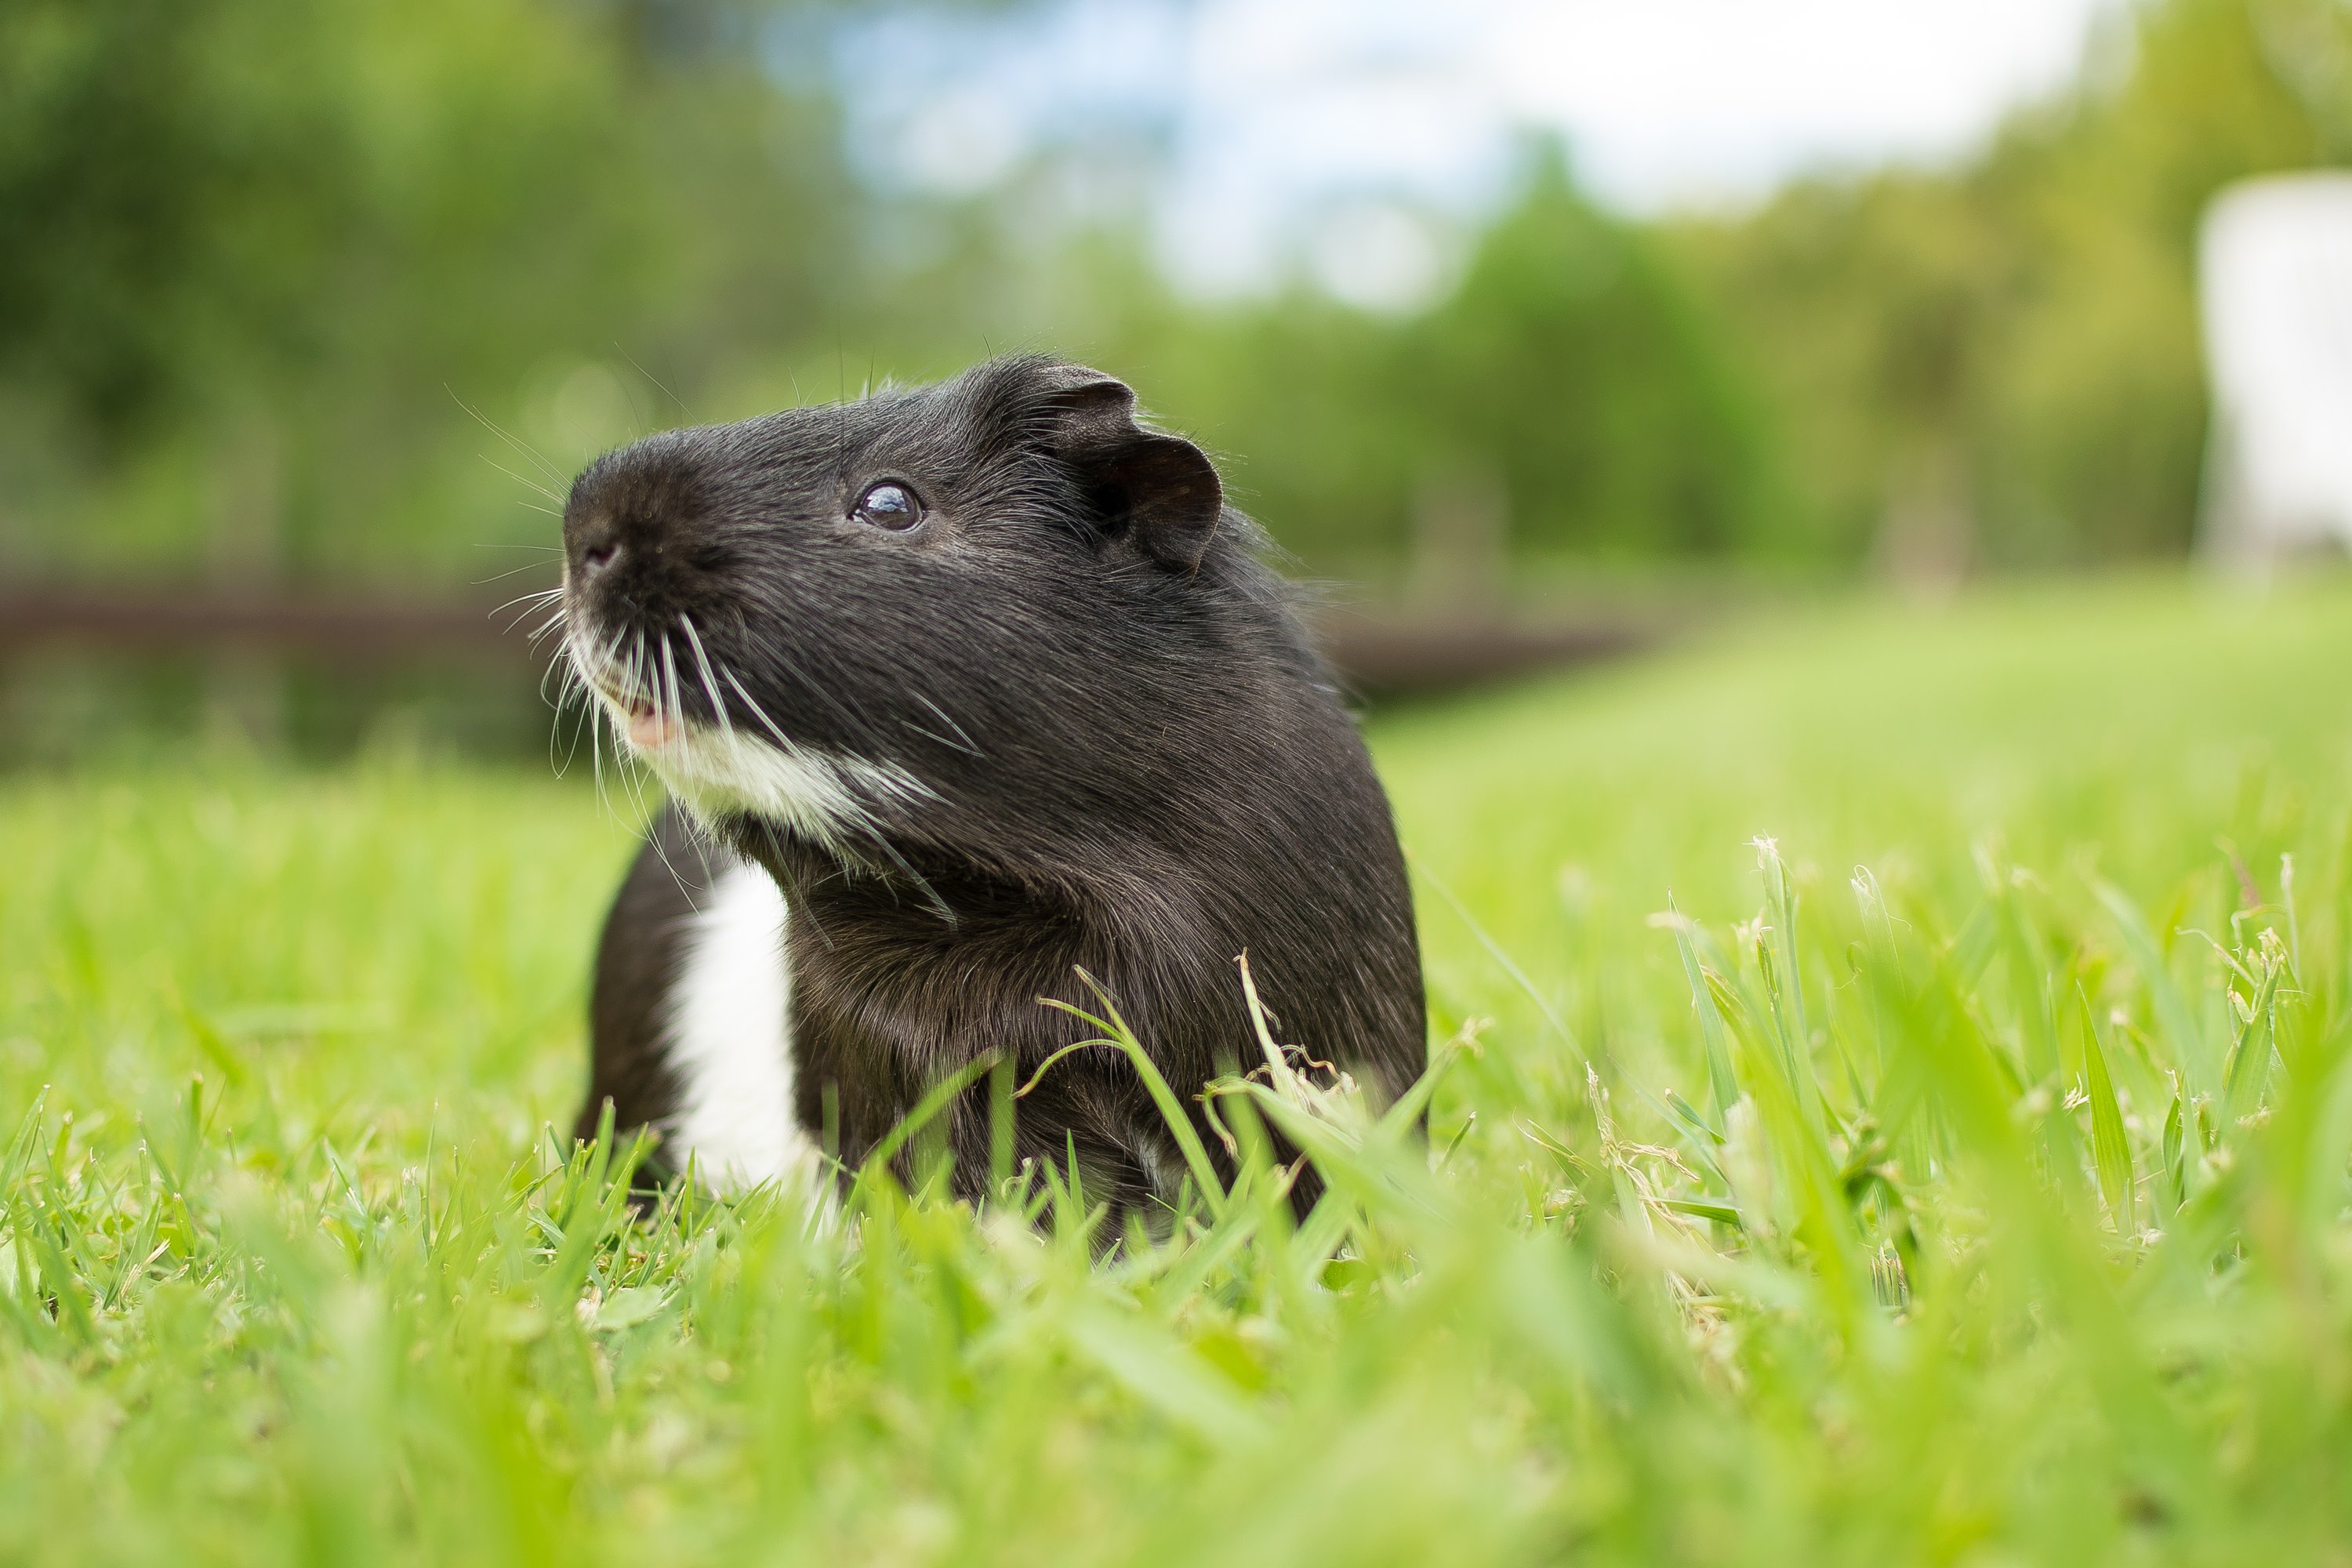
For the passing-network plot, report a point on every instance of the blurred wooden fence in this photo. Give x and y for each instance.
(1382, 656)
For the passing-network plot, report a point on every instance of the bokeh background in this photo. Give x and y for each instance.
(1560, 327)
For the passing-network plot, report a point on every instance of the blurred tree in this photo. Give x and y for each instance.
(1567, 394)
(2000, 363)
(257, 252)
(1575, 365)
(172, 173)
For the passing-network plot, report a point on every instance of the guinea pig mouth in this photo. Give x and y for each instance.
(650, 729)
(641, 719)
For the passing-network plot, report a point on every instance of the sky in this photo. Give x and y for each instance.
(1353, 136)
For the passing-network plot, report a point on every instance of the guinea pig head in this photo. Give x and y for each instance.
(974, 615)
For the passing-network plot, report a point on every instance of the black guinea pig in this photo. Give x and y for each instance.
(965, 689)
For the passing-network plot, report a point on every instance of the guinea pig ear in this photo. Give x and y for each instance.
(1163, 486)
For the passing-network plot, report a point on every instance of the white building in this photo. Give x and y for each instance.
(2275, 261)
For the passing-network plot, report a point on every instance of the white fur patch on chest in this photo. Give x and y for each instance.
(730, 1040)
(717, 773)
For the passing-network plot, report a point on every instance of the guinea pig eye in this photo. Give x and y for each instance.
(888, 505)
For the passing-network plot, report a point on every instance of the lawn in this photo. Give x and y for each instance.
(1895, 1107)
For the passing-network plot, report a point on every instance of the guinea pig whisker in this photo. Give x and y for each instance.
(570, 686)
(566, 676)
(512, 572)
(930, 894)
(556, 617)
(653, 837)
(552, 620)
(951, 723)
(632, 775)
(597, 754)
(709, 682)
(931, 735)
(676, 713)
(761, 713)
(631, 667)
(528, 484)
(815, 688)
(543, 594)
(522, 446)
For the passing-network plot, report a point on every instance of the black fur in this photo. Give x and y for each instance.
(1128, 759)
(637, 960)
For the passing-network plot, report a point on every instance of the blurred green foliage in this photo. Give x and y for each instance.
(2000, 360)
(1569, 388)
(278, 276)
(260, 251)
(1992, 364)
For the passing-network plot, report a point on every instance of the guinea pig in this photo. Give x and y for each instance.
(962, 694)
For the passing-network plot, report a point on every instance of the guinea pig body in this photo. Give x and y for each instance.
(992, 688)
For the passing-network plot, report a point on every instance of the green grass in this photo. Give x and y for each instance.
(1989, 1207)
